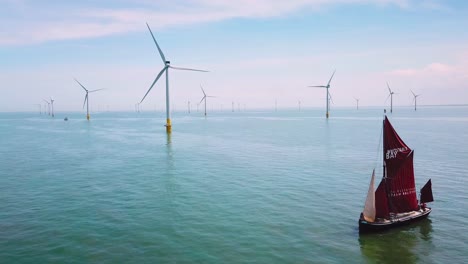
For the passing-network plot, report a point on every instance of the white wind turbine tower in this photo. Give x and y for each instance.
(357, 103)
(414, 99)
(48, 106)
(86, 100)
(391, 93)
(52, 105)
(204, 97)
(328, 98)
(167, 65)
(137, 108)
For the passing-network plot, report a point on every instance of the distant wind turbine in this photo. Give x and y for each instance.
(328, 98)
(167, 65)
(414, 99)
(188, 106)
(233, 106)
(137, 107)
(391, 93)
(299, 103)
(48, 106)
(86, 99)
(204, 98)
(52, 105)
(357, 103)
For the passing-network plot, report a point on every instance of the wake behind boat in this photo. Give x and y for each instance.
(394, 202)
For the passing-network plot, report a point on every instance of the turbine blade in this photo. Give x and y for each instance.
(202, 99)
(159, 49)
(331, 77)
(388, 86)
(203, 90)
(46, 101)
(96, 90)
(387, 98)
(85, 99)
(413, 93)
(81, 85)
(318, 86)
(155, 80)
(187, 69)
(331, 99)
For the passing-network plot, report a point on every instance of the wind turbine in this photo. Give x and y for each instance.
(204, 97)
(188, 106)
(299, 103)
(48, 106)
(52, 105)
(391, 93)
(357, 103)
(137, 108)
(414, 99)
(167, 65)
(328, 98)
(86, 100)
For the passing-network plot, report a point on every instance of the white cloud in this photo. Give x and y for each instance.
(440, 83)
(29, 23)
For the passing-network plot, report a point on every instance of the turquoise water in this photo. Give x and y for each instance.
(258, 187)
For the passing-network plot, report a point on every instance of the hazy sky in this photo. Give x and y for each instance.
(257, 52)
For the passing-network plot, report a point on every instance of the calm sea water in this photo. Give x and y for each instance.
(258, 187)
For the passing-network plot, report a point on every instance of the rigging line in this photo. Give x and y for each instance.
(378, 147)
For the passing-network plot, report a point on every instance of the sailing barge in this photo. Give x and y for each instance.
(394, 201)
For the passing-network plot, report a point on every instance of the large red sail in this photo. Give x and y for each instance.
(398, 160)
(402, 189)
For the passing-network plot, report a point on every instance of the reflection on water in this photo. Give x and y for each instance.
(425, 228)
(399, 245)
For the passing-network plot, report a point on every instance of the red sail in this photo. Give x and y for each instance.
(402, 189)
(381, 202)
(426, 192)
(398, 160)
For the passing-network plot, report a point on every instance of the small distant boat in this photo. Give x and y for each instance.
(65, 119)
(394, 202)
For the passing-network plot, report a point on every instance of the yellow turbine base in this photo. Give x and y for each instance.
(87, 117)
(168, 126)
(327, 115)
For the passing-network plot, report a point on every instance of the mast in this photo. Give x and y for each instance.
(389, 203)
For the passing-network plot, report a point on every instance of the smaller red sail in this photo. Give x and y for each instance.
(395, 150)
(381, 201)
(426, 192)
